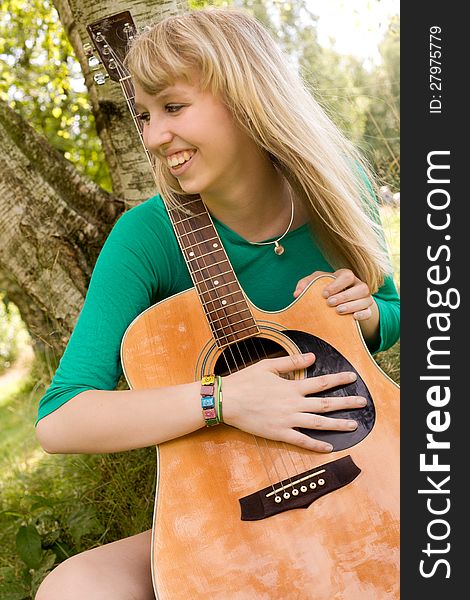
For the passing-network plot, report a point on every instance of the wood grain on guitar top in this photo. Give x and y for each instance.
(345, 546)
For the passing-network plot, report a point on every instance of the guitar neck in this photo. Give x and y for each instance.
(225, 305)
(222, 298)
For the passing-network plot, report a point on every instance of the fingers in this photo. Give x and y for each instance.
(353, 306)
(346, 293)
(349, 295)
(331, 403)
(314, 385)
(304, 441)
(313, 421)
(286, 364)
(344, 278)
(303, 283)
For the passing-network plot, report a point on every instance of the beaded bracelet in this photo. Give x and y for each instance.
(208, 403)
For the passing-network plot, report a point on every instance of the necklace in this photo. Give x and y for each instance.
(278, 249)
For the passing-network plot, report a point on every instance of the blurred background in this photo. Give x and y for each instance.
(54, 506)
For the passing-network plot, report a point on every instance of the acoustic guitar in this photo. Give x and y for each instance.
(238, 517)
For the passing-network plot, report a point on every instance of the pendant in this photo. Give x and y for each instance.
(278, 249)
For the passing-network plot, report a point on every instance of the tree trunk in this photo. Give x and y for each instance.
(130, 172)
(53, 221)
(52, 225)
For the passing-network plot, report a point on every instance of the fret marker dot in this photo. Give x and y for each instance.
(216, 282)
(191, 254)
(215, 245)
(224, 302)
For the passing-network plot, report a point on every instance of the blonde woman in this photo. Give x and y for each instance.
(230, 121)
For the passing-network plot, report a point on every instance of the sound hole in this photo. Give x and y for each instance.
(328, 360)
(246, 353)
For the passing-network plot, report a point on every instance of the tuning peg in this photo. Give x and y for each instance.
(88, 49)
(100, 78)
(93, 62)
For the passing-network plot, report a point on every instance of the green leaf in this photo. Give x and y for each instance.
(28, 546)
(83, 521)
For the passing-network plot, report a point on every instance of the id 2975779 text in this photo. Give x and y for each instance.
(435, 69)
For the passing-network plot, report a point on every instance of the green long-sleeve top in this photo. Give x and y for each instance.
(141, 264)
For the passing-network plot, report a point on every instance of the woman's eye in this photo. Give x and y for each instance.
(172, 108)
(143, 117)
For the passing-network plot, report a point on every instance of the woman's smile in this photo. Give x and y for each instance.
(179, 162)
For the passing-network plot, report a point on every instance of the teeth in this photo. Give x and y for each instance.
(179, 159)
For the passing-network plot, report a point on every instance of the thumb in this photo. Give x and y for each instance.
(293, 362)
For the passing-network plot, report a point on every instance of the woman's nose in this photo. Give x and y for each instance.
(156, 135)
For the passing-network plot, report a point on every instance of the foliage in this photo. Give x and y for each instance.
(12, 333)
(54, 506)
(41, 80)
(364, 104)
(383, 115)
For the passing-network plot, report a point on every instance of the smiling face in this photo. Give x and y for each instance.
(196, 137)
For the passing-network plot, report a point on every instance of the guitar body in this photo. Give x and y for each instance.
(345, 545)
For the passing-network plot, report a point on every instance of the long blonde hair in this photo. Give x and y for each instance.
(239, 61)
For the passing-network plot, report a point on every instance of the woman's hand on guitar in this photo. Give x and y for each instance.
(260, 401)
(346, 293)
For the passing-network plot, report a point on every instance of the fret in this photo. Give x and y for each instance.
(195, 230)
(219, 275)
(235, 337)
(214, 264)
(233, 323)
(215, 296)
(218, 247)
(225, 331)
(221, 297)
(202, 214)
(174, 211)
(226, 306)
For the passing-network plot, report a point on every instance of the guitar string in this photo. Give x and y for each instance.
(127, 86)
(251, 358)
(129, 95)
(235, 363)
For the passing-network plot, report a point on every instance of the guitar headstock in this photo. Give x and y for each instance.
(111, 37)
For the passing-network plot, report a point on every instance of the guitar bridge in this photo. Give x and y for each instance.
(299, 491)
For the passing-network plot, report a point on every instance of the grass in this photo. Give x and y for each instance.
(391, 223)
(389, 360)
(53, 506)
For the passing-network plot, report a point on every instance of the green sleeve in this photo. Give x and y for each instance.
(388, 302)
(123, 284)
(387, 298)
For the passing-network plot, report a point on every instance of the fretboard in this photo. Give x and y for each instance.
(224, 303)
